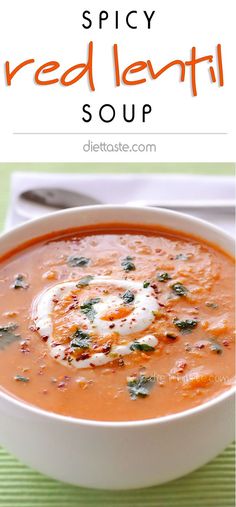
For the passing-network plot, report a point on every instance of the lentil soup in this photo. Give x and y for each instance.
(116, 323)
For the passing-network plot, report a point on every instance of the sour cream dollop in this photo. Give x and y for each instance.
(142, 314)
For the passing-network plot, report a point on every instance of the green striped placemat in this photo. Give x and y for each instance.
(210, 486)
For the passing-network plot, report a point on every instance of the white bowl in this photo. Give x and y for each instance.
(116, 455)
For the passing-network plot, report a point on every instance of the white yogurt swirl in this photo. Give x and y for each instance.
(140, 318)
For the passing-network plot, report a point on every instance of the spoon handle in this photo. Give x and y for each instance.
(228, 204)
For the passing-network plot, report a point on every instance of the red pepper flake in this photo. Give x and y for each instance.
(154, 286)
(33, 328)
(72, 306)
(225, 342)
(181, 365)
(106, 348)
(61, 385)
(112, 326)
(83, 356)
(200, 345)
(24, 347)
(45, 338)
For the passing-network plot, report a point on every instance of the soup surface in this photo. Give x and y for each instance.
(118, 323)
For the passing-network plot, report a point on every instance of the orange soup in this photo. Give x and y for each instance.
(118, 323)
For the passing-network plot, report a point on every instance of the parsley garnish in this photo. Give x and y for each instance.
(171, 336)
(185, 326)
(19, 378)
(7, 328)
(77, 262)
(163, 277)
(20, 282)
(179, 289)
(80, 340)
(141, 346)
(7, 336)
(127, 264)
(183, 257)
(140, 386)
(88, 308)
(146, 284)
(128, 297)
(212, 305)
(83, 282)
(216, 347)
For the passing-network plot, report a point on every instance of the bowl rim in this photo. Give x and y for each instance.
(53, 416)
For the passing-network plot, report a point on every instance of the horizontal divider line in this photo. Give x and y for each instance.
(122, 133)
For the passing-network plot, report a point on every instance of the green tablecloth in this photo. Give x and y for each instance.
(212, 485)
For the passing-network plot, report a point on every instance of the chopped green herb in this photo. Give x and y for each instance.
(179, 289)
(128, 297)
(127, 264)
(19, 378)
(88, 308)
(216, 347)
(146, 284)
(212, 305)
(20, 282)
(7, 336)
(171, 336)
(80, 340)
(141, 346)
(7, 328)
(77, 262)
(183, 257)
(140, 386)
(83, 282)
(163, 277)
(185, 326)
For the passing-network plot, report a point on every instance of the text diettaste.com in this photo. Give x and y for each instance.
(90, 146)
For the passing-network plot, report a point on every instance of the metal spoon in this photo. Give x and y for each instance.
(40, 201)
(58, 198)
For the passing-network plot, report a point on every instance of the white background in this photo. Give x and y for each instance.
(51, 30)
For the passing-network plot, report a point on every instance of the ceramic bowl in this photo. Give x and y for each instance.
(116, 455)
